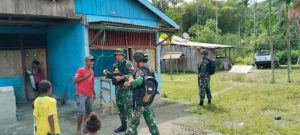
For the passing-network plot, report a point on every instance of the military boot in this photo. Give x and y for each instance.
(201, 103)
(209, 101)
(122, 128)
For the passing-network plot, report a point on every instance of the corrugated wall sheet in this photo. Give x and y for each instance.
(122, 39)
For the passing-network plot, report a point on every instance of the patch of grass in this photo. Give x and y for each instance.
(250, 104)
(185, 87)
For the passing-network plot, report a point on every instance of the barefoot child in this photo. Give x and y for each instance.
(93, 124)
(45, 112)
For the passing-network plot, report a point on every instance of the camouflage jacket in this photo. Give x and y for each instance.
(202, 70)
(138, 77)
(137, 85)
(124, 68)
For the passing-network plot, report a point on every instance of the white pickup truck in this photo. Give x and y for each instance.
(263, 59)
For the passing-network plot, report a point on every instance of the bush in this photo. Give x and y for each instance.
(164, 95)
(248, 60)
(282, 55)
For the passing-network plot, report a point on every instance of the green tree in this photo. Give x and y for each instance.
(206, 33)
(175, 2)
(163, 5)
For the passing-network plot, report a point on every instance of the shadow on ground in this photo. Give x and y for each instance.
(171, 117)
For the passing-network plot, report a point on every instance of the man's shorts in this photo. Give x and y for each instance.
(84, 104)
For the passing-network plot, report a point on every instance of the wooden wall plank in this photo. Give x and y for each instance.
(70, 9)
(8, 6)
(20, 7)
(64, 8)
(78, 7)
(103, 7)
(60, 8)
(10, 63)
(191, 61)
(99, 7)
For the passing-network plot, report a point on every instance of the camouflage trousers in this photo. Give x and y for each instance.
(204, 87)
(124, 102)
(148, 114)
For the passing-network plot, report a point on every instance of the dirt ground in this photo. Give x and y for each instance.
(171, 117)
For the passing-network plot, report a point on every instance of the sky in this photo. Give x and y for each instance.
(251, 0)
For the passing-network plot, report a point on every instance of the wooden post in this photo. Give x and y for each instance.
(270, 41)
(229, 55)
(109, 106)
(23, 65)
(186, 65)
(170, 63)
(177, 66)
(111, 98)
(164, 66)
(100, 96)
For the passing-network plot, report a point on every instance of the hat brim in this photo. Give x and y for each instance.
(119, 54)
(93, 59)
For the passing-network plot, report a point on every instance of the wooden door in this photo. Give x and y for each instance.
(31, 55)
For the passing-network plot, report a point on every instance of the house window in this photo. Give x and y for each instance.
(110, 39)
(133, 41)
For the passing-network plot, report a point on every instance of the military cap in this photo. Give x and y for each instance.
(119, 51)
(204, 52)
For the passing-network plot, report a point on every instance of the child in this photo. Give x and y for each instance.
(93, 124)
(45, 112)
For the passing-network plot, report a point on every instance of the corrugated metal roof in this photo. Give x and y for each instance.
(183, 42)
(147, 4)
(173, 55)
(136, 22)
(134, 12)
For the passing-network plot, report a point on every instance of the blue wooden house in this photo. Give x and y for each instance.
(60, 34)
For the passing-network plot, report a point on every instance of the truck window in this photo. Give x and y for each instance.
(263, 53)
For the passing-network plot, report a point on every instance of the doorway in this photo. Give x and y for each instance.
(17, 54)
(29, 56)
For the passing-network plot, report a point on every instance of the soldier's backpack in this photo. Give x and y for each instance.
(211, 68)
(148, 90)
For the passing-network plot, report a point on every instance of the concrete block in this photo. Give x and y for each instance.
(7, 106)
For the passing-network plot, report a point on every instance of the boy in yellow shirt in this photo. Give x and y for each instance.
(45, 111)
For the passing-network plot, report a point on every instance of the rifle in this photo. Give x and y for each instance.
(198, 76)
(112, 76)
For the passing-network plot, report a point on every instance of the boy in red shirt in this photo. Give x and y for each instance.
(85, 94)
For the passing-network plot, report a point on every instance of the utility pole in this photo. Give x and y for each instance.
(270, 41)
(288, 42)
(217, 8)
(254, 18)
(198, 20)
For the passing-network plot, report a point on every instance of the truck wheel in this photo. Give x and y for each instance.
(257, 66)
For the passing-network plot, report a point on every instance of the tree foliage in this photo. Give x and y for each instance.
(236, 23)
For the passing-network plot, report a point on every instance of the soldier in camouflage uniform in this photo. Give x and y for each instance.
(139, 110)
(122, 70)
(204, 78)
